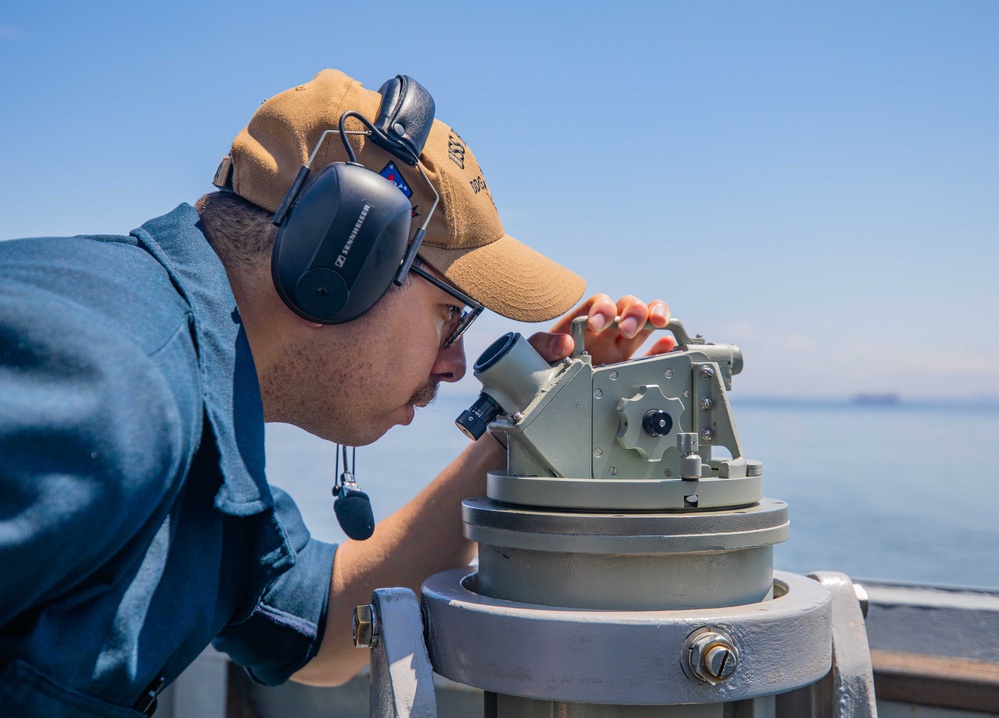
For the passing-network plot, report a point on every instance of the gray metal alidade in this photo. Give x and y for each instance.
(625, 556)
(615, 437)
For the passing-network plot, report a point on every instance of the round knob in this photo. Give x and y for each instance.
(648, 421)
(657, 423)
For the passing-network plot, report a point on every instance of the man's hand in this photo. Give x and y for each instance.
(607, 345)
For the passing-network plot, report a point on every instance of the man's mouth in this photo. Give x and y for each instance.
(425, 395)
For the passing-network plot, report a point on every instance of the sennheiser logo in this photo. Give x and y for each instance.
(342, 259)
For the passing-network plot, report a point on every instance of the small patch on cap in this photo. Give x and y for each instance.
(392, 174)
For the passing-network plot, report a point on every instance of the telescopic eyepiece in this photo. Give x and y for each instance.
(476, 419)
(496, 351)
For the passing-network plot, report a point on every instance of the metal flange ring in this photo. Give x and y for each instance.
(623, 657)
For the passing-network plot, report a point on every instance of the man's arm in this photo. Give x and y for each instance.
(417, 541)
(425, 536)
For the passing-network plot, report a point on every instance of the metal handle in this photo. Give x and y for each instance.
(578, 330)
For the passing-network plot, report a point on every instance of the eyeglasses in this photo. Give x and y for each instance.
(457, 325)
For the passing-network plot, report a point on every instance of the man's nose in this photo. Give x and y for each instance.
(450, 364)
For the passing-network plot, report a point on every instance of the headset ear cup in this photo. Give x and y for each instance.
(339, 246)
(321, 293)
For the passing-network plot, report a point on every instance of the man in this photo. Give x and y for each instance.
(136, 523)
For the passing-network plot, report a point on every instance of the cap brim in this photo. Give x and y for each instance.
(509, 278)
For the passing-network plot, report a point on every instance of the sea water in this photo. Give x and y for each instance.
(904, 491)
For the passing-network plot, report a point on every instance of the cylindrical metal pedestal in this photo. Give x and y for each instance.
(591, 614)
(632, 562)
(624, 562)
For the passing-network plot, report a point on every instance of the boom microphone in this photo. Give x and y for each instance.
(351, 506)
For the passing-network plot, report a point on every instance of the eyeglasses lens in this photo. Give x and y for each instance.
(460, 324)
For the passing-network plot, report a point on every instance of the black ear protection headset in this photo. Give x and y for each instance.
(343, 232)
(343, 240)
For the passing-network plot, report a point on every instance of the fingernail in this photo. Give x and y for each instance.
(629, 327)
(660, 311)
(597, 322)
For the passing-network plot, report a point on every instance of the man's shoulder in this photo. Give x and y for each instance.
(105, 279)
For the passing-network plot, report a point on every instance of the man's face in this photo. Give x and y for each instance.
(352, 382)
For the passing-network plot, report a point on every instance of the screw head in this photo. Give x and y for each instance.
(721, 661)
(707, 435)
(707, 403)
(365, 626)
(707, 372)
(516, 416)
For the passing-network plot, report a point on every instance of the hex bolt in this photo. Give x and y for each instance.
(686, 442)
(707, 372)
(690, 462)
(366, 627)
(710, 656)
(707, 403)
(865, 602)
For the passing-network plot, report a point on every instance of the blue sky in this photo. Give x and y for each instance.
(816, 182)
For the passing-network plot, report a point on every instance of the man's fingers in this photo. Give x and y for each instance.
(659, 313)
(662, 345)
(602, 312)
(553, 347)
(635, 321)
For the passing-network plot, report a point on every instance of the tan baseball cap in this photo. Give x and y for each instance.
(465, 240)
